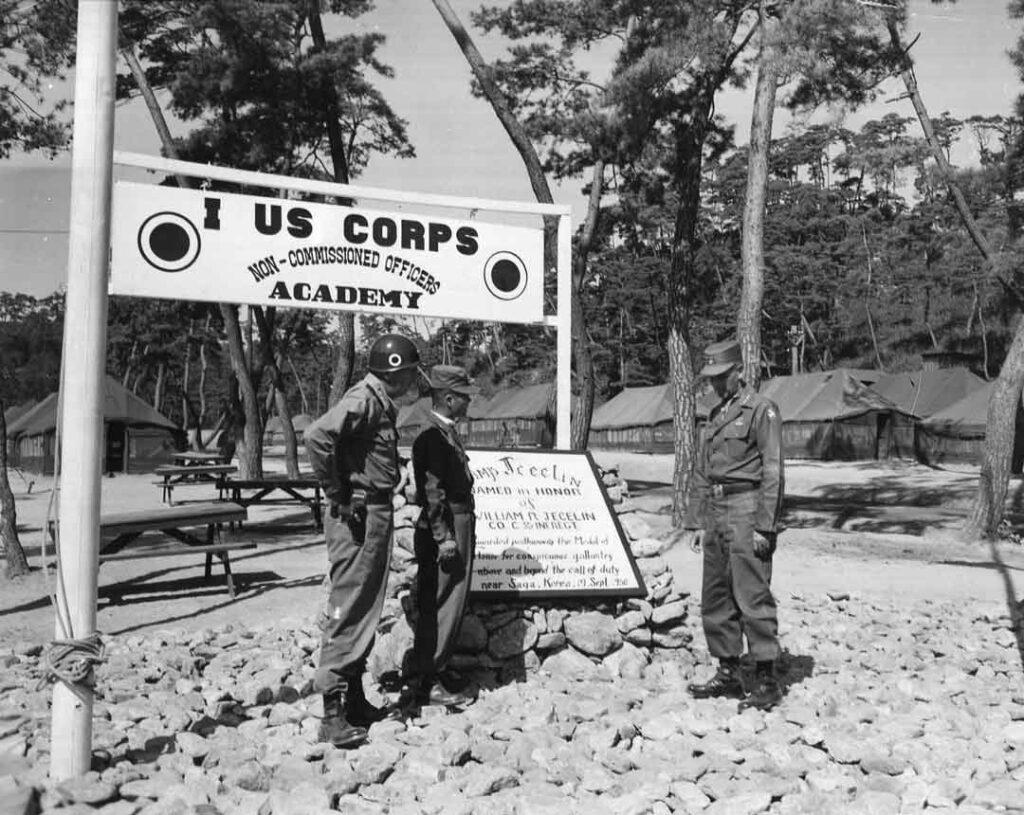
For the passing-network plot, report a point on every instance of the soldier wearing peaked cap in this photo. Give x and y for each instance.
(733, 513)
(443, 540)
(353, 451)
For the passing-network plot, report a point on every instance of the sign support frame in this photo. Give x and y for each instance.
(83, 365)
(561, 321)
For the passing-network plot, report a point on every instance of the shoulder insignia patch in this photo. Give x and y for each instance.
(771, 413)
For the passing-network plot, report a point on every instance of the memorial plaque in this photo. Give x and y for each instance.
(545, 527)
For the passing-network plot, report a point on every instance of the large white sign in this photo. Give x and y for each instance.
(544, 526)
(182, 244)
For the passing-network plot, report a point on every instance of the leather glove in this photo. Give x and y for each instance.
(447, 556)
(340, 510)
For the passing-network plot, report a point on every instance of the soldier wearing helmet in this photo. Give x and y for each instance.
(353, 450)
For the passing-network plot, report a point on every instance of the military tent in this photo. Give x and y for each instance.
(920, 394)
(11, 414)
(414, 418)
(833, 415)
(136, 437)
(515, 417)
(273, 431)
(640, 419)
(956, 434)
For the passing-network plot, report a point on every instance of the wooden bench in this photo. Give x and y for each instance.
(173, 475)
(303, 490)
(119, 529)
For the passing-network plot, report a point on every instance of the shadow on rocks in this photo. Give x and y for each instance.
(793, 669)
(1015, 606)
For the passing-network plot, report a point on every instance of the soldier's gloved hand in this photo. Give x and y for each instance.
(447, 555)
(764, 544)
(340, 510)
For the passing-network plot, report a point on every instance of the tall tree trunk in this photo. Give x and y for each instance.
(249, 444)
(580, 432)
(346, 357)
(299, 385)
(158, 388)
(187, 413)
(264, 321)
(542, 192)
(752, 248)
(690, 146)
(1000, 425)
(204, 366)
(10, 545)
(345, 362)
(1000, 434)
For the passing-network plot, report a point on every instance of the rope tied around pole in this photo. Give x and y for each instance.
(72, 661)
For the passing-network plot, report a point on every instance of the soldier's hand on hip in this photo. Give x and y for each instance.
(764, 544)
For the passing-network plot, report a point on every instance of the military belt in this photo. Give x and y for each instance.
(731, 488)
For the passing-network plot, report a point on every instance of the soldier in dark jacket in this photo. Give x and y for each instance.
(733, 511)
(353, 450)
(443, 539)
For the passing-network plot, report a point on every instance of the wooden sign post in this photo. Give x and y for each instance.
(82, 371)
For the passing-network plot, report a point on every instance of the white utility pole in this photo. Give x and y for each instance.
(83, 367)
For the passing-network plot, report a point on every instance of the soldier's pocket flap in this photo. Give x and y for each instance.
(738, 428)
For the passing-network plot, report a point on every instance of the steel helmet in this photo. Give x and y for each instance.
(393, 352)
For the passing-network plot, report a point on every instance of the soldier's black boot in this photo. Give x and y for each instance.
(725, 683)
(767, 692)
(360, 711)
(335, 728)
(424, 691)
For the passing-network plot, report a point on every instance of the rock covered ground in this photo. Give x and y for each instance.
(890, 708)
(894, 703)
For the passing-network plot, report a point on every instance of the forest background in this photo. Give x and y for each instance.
(866, 265)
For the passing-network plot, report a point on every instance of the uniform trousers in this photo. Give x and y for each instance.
(359, 574)
(441, 596)
(736, 598)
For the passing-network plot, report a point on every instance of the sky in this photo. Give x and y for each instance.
(961, 64)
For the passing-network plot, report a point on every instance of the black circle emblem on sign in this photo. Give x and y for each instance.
(505, 275)
(169, 242)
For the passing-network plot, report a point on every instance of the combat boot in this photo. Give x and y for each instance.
(335, 728)
(426, 691)
(725, 683)
(360, 711)
(767, 692)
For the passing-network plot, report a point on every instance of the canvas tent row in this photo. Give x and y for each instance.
(515, 417)
(956, 434)
(923, 393)
(640, 419)
(137, 437)
(834, 415)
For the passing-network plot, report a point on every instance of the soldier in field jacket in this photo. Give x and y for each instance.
(733, 513)
(353, 450)
(443, 539)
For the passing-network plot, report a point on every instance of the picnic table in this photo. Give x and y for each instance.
(119, 530)
(302, 490)
(173, 475)
(190, 458)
